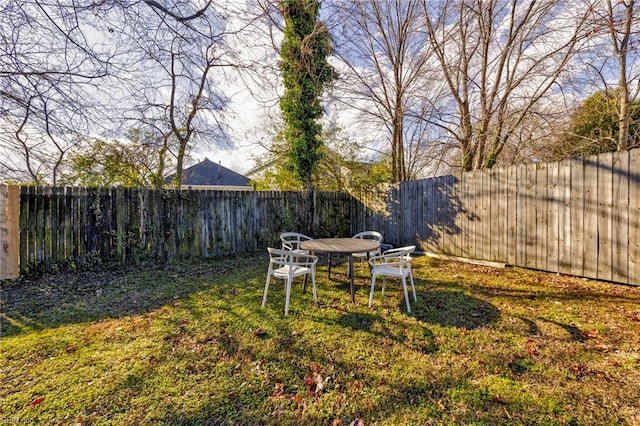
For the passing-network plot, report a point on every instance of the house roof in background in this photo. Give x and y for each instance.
(209, 173)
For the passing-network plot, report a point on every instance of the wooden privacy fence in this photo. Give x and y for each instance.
(73, 226)
(578, 216)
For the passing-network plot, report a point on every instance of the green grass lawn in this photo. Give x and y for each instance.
(189, 344)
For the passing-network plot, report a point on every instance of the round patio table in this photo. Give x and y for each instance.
(346, 246)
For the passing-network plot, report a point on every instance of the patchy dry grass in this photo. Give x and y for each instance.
(189, 344)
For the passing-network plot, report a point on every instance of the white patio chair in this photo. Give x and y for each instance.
(292, 240)
(393, 263)
(286, 265)
(368, 235)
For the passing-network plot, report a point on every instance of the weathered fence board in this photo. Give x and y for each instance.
(577, 216)
(590, 224)
(9, 226)
(564, 218)
(620, 217)
(634, 217)
(554, 207)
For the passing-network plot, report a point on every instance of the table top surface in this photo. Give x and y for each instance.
(340, 245)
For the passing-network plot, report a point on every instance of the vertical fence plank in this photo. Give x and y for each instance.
(420, 215)
(53, 226)
(503, 213)
(450, 211)
(465, 216)
(39, 225)
(512, 208)
(65, 234)
(521, 215)
(590, 242)
(483, 227)
(620, 217)
(542, 217)
(432, 230)
(494, 220)
(577, 234)
(564, 217)
(58, 226)
(605, 205)
(634, 217)
(408, 212)
(455, 213)
(25, 229)
(475, 184)
(554, 207)
(121, 224)
(502, 240)
(531, 206)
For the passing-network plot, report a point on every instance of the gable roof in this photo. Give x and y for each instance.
(209, 173)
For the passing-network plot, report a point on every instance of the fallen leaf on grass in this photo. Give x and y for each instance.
(314, 381)
(71, 348)
(590, 334)
(80, 421)
(278, 391)
(531, 347)
(36, 401)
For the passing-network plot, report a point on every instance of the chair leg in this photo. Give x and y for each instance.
(288, 295)
(406, 294)
(373, 284)
(384, 284)
(266, 287)
(413, 288)
(313, 285)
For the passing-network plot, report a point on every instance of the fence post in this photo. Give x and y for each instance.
(9, 231)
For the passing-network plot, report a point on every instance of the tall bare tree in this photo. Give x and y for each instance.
(49, 71)
(500, 61)
(70, 69)
(179, 68)
(386, 75)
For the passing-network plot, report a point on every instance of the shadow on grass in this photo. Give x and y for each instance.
(451, 308)
(68, 298)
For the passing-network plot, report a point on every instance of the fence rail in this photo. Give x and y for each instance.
(578, 217)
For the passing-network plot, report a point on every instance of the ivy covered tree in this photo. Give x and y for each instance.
(305, 72)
